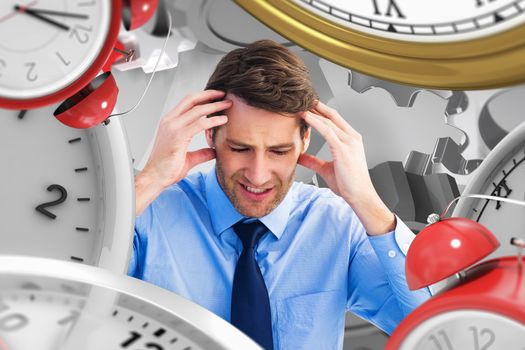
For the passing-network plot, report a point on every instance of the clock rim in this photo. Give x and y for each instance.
(475, 64)
(453, 300)
(219, 331)
(512, 141)
(85, 78)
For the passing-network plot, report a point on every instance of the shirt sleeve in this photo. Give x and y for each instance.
(377, 289)
(138, 251)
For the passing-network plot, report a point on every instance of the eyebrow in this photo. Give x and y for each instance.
(240, 144)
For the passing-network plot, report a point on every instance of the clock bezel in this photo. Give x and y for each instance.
(489, 62)
(84, 78)
(196, 323)
(480, 291)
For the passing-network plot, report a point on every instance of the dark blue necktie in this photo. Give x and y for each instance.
(250, 309)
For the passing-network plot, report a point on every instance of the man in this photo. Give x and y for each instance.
(281, 260)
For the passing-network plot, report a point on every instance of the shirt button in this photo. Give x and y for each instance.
(391, 253)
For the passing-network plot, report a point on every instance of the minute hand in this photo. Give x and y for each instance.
(40, 17)
(53, 12)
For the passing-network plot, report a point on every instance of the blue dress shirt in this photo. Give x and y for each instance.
(317, 260)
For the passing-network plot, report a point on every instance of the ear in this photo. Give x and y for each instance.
(209, 137)
(306, 139)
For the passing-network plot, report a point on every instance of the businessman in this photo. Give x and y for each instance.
(281, 260)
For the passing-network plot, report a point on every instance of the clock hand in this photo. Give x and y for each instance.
(12, 14)
(55, 13)
(40, 17)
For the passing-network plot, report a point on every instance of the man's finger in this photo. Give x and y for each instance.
(334, 116)
(200, 156)
(199, 111)
(311, 162)
(326, 128)
(194, 99)
(206, 123)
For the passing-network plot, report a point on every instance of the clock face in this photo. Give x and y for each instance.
(60, 194)
(50, 304)
(422, 21)
(501, 174)
(465, 329)
(459, 45)
(44, 51)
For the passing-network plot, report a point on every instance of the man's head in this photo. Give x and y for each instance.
(257, 150)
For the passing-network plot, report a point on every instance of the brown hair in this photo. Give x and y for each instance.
(266, 75)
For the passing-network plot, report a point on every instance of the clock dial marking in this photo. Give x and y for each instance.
(31, 76)
(76, 258)
(22, 114)
(62, 59)
(2, 66)
(78, 170)
(83, 199)
(419, 20)
(76, 139)
(82, 229)
(42, 207)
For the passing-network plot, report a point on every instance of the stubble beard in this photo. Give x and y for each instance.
(228, 185)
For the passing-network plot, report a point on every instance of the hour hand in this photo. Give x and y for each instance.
(34, 14)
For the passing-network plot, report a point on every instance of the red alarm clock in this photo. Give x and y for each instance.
(484, 310)
(52, 51)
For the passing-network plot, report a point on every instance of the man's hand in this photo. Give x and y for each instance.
(170, 160)
(347, 175)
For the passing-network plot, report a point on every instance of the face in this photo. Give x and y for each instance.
(257, 153)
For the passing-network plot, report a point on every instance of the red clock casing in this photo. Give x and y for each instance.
(85, 78)
(496, 286)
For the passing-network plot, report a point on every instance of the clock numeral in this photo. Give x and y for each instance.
(391, 6)
(42, 207)
(136, 336)
(72, 318)
(61, 58)
(2, 66)
(80, 32)
(13, 322)
(497, 192)
(31, 75)
(444, 343)
(480, 334)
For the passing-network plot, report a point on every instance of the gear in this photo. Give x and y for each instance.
(147, 43)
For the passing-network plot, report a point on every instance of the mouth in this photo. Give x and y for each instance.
(255, 193)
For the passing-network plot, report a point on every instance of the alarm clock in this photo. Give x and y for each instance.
(66, 193)
(447, 44)
(500, 174)
(48, 304)
(50, 49)
(485, 309)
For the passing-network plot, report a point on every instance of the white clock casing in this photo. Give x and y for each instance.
(94, 223)
(50, 304)
(500, 174)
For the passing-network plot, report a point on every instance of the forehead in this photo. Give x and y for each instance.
(250, 124)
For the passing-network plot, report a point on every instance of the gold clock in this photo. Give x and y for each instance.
(447, 44)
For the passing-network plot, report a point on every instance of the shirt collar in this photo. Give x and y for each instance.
(224, 215)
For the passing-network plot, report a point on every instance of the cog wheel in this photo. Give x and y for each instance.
(147, 42)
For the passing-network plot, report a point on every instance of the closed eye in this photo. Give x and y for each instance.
(239, 149)
(280, 153)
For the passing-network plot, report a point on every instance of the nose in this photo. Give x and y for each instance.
(258, 171)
